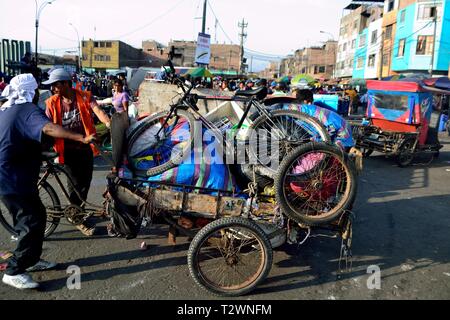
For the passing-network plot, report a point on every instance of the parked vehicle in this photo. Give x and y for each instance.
(402, 119)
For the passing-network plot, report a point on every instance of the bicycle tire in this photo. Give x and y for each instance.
(52, 223)
(174, 160)
(262, 123)
(320, 184)
(219, 227)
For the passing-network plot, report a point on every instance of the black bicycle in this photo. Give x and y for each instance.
(55, 174)
(287, 128)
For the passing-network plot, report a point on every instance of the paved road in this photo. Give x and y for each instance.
(402, 227)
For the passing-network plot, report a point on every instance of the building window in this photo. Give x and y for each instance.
(374, 37)
(389, 32)
(98, 57)
(353, 43)
(401, 48)
(402, 16)
(84, 44)
(96, 44)
(360, 63)
(391, 5)
(371, 62)
(426, 12)
(345, 47)
(362, 40)
(321, 69)
(424, 45)
(355, 24)
(108, 44)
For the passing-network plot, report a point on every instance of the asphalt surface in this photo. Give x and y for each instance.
(402, 226)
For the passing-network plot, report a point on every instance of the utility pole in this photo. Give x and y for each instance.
(434, 43)
(243, 35)
(204, 16)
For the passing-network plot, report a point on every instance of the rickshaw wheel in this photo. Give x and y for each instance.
(230, 257)
(406, 153)
(316, 183)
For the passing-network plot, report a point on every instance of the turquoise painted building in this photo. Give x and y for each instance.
(413, 46)
(360, 59)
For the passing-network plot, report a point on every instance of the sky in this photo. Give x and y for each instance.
(275, 27)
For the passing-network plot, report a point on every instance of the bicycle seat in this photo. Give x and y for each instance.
(47, 156)
(259, 93)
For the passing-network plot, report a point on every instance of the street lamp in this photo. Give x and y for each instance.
(329, 33)
(79, 50)
(37, 17)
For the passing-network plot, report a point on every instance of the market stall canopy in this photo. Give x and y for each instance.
(302, 78)
(200, 73)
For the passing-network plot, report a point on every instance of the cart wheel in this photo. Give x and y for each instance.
(406, 153)
(230, 257)
(316, 183)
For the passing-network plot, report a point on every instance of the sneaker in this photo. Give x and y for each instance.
(20, 281)
(42, 265)
(87, 231)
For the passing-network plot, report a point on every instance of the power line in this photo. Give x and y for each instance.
(151, 22)
(218, 22)
(57, 35)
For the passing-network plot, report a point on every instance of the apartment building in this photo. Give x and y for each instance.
(389, 29)
(103, 55)
(319, 62)
(156, 52)
(422, 40)
(356, 18)
(367, 59)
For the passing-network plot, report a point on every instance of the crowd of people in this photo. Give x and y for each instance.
(355, 97)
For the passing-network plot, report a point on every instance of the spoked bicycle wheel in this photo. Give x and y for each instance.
(316, 183)
(159, 149)
(284, 130)
(51, 203)
(230, 257)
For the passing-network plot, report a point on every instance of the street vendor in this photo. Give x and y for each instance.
(73, 109)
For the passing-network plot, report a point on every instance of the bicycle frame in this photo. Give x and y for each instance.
(54, 170)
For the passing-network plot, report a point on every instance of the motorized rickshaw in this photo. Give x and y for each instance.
(401, 118)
